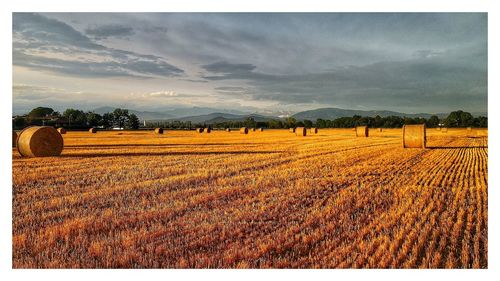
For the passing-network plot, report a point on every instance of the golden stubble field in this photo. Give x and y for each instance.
(266, 199)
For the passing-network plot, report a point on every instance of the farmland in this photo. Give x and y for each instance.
(265, 199)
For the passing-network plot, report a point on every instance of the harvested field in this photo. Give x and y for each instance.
(219, 200)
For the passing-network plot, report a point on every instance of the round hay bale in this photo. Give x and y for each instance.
(244, 130)
(61, 131)
(208, 130)
(362, 131)
(14, 138)
(414, 136)
(261, 129)
(159, 131)
(40, 141)
(199, 130)
(380, 129)
(228, 130)
(301, 131)
(253, 129)
(292, 130)
(314, 130)
(93, 130)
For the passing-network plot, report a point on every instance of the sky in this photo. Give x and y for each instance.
(271, 63)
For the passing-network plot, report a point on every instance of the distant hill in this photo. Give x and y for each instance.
(170, 114)
(143, 115)
(210, 115)
(219, 117)
(334, 113)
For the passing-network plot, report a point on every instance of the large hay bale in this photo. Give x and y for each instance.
(244, 130)
(301, 131)
(208, 130)
(199, 130)
(93, 130)
(414, 136)
(362, 131)
(14, 138)
(40, 141)
(228, 130)
(292, 130)
(159, 131)
(314, 130)
(61, 131)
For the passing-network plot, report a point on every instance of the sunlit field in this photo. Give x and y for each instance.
(266, 199)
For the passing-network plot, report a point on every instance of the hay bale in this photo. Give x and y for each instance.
(362, 131)
(208, 130)
(261, 129)
(14, 138)
(244, 130)
(469, 128)
(199, 130)
(414, 136)
(253, 129)
(40, 141)
(228, 130)
(159, 131)
(292, 130)
(380, 129)
(353, 129)
(61, 131)
(93, 130)
(444, 130)
(300, 131)
(314, 130)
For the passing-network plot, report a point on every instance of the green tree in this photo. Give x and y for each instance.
(133, 122)
(308, 123)
(433, 122)
(19, 122)
(120, 116)
(75, 117)
(93, 119)
(40, 112)
(459, 118)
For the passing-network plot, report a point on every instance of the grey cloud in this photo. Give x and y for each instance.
(35, 35)
(109, 30)
(224, 67)
(428, 81)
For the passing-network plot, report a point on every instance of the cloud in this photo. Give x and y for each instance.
(50, 45)
(229, 68)
(109, 30)
(444, 80)
(397, 61)
(163, 94)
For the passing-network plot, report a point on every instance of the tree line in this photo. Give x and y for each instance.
(77, 119)
(121, 118)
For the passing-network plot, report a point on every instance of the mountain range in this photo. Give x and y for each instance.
(211, 115)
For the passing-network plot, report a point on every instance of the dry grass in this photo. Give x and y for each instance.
(274, 200)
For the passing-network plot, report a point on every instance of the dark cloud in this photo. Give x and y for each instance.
(37, 38)
(427, 81)
(109, 30)
(229, 68)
